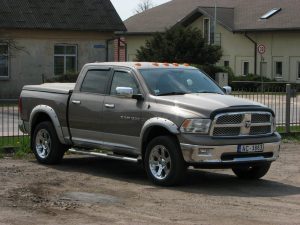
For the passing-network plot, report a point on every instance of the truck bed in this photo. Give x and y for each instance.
(61, 88)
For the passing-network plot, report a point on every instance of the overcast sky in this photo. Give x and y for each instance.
(126, 8)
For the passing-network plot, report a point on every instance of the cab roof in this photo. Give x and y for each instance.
(143, 65)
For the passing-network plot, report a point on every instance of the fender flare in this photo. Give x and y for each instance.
(51, 113)
(158, 121)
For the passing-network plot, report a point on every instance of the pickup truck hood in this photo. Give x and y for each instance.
(204, 104)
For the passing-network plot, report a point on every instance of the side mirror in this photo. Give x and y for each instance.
(227, 90)
(125, 92)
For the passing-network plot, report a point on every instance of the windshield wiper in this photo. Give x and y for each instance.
(172, 93)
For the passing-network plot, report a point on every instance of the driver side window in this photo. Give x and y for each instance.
(123, 79)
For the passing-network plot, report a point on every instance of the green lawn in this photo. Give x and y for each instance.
(21, 145)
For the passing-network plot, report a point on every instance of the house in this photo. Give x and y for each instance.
(241, 28)
(41, 39)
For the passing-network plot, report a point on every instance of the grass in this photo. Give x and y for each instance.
(294, 129)
(18, 147)
(291, 138)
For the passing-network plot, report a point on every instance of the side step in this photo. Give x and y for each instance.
(105, 155)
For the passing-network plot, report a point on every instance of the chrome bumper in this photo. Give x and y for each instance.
(213, 154)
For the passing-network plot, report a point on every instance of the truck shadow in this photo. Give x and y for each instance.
(207, 182)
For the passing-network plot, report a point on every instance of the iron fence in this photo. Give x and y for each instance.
(284, 99)
(10, 135)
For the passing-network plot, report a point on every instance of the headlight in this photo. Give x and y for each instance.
(196, 126)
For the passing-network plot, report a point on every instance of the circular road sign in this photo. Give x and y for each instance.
(261, 49)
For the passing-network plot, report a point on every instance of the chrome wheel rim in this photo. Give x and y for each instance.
(160, 162)
(43, 143)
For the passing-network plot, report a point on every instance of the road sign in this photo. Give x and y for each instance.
(261, 49)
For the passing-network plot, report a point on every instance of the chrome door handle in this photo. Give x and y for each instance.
(110, 106)
(76, 102)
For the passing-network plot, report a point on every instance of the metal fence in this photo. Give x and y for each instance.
(283, 98)
(10, 135)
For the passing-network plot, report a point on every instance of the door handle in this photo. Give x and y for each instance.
(76, 102)
(110, 106)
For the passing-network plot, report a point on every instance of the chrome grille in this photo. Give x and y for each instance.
(242, 124)
(261, 118)
(260, 130)
(230, 119)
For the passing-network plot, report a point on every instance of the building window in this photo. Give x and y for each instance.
(245, 68)
(298, 70)
(3, 61)
(278, 69)
(65, 59)
(226, 63)
(206, 30)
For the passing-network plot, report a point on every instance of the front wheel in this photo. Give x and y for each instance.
(163, 161)
(46, 145)
(252, 172)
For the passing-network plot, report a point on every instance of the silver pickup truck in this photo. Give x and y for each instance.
(168, 116)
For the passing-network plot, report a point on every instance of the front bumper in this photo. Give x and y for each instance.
(227, 154)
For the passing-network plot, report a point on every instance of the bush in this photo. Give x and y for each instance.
(66, 78)
(179, 45)
(211, 70)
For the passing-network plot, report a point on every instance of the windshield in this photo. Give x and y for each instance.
(178, 82)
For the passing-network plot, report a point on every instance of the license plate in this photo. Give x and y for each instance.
(250, 148)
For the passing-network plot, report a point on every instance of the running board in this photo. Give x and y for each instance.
(105, 155)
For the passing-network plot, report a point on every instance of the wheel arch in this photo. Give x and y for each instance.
(42, 113)
(155, 127)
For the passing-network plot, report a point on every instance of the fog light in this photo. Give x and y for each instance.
(204, 151)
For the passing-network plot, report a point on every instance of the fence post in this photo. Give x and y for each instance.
(288, 109)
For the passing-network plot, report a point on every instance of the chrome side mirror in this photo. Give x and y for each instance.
(227, 90)
(125, 92)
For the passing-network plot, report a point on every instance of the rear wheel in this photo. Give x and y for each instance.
(46, 145)
(252, 172)
(164, 162)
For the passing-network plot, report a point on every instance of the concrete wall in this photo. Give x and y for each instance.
(37, 58)
(280, 46)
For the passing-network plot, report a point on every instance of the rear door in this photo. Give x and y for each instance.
(86, 104)
(121, 125)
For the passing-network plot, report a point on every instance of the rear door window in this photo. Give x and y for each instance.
(95, 81)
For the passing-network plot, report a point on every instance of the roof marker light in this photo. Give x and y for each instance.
(175, 64)
(138, 64)
(155, 64)
(166, 64)
(186, 64)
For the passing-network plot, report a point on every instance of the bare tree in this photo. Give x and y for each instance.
(143, 6)
(13, 46)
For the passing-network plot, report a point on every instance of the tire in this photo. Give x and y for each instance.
(163, 161)
(252, 172)
(45, 144)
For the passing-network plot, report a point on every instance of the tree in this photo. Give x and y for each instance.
(179, 45)
(143, 6)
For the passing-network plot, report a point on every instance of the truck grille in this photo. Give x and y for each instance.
(242, 124)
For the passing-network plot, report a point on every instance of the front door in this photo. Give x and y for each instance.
(85, 110)
(121, 123)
